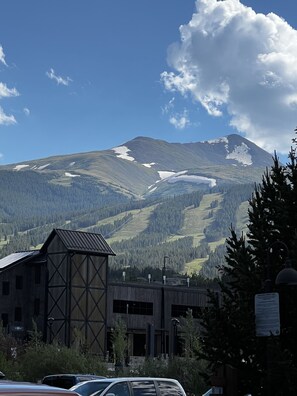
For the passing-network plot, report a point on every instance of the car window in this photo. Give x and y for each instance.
(65, 382)
(143, 388)
(87, 388)
(120, 389)
(168, 388)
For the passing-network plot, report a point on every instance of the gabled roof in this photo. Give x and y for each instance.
(16, 258)
(80, 241)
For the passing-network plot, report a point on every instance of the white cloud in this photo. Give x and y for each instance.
(180, 120)
(26, 111)
(6, 92)
(2, 56)
(6, 119)
(59, 80)
(235, 61)
(169, 106)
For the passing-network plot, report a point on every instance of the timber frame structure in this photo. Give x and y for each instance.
(66, 285)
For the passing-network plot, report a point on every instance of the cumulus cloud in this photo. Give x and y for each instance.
(59, 80)
(180, 120)
(6, 119)
(2, 56)
(234, 61)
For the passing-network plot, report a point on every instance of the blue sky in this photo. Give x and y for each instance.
(86, 75)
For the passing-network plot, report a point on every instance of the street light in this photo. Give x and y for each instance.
(287, 276)
(50, 322)
(164, 270)
(175, 323)
(163, 334)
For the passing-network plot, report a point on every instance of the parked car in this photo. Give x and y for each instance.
(66, 381)
(136, 386)
(10, 388)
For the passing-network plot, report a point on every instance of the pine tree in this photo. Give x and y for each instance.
(229, 337)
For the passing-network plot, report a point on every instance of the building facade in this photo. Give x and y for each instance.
(64, 289)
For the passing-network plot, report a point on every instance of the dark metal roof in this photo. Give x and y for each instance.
(14, 258)
(81, 241)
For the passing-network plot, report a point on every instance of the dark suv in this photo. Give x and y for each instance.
(66, 381)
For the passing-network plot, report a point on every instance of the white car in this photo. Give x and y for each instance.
(130, 386)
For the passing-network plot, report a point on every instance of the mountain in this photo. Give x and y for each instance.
(159, 192)
(141, 166)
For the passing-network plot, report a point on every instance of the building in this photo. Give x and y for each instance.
(151, 312)
(64, 289)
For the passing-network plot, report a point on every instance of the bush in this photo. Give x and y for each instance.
(43, 359)
(186, 371)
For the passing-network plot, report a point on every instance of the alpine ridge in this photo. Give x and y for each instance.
(147, 197)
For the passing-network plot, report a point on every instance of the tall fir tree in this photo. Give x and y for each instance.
(264, 365)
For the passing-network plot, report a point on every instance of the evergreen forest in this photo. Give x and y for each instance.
(190, 228)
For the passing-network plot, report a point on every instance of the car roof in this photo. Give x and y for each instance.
(119, 379)
(134, 379)
(71, 375)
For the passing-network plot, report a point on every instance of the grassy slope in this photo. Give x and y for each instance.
(196, 219)
(138, 223)
(242, 217)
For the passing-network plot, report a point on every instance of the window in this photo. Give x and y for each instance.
(18, 314)
(4, 319)
(36, 307)
(181, 310)
(168, 388)
(143, 388)
(18, 282)
(5, 288)
(133, 307)
(121, 389)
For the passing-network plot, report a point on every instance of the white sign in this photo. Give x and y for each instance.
(267, 314)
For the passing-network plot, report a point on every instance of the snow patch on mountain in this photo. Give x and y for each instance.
(149, 165)
(122, 152)
(193, 179)
(43, 166)
(72, 163)
(19, 167)
(165, 174)
(68, 174)
(174, 177)
(241, 154)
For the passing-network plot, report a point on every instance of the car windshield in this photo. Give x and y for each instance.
(89, 387)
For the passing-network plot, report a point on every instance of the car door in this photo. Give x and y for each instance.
(119, 389)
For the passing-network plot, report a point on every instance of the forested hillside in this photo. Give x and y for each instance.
(190, 228)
